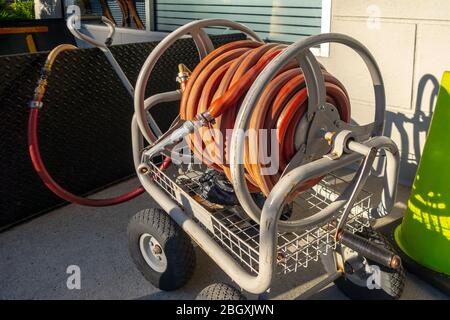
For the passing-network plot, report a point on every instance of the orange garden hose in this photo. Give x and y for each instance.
(217, 86)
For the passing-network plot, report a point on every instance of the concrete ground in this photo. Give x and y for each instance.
(35, 256)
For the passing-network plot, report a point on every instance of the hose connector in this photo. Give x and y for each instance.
(172, 138)
(205, 118)
(34, 104)
(183, 75)
(41, 86)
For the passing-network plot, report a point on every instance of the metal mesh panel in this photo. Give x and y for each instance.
(239, 235)
(84, 128)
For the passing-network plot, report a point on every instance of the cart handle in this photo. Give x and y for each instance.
(102, 46)
(204, 46)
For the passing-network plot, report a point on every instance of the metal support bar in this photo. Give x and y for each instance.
(359, 148)
(151, 123)
(137, 135)
(118, 70)
(362, 175)
(314, 81)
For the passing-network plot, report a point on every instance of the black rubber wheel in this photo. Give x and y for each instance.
(354, 284)
(220, 291)
(160, 249)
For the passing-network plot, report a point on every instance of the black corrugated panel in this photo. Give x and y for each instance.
(84, 128)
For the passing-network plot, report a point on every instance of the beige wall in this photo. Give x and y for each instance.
(410, 39)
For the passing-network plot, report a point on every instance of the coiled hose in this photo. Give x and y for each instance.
(216, 88)
(33, 143)
(217, 85)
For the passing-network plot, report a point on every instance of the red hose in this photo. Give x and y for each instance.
(218, 85)
(33, 147)
(33, 144)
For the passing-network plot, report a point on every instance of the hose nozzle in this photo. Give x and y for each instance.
(183, 69)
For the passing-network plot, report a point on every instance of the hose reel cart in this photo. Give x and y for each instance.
(251, 219)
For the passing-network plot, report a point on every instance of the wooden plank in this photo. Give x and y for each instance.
(14, 30)
(30, 43)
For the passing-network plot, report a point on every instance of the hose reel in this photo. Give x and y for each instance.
(230, 83)
(320, 125)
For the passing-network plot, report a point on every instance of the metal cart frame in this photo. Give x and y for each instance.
(247, 243)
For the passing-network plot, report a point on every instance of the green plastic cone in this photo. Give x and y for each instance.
(424, 234)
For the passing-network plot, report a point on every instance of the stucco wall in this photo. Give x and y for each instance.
(411, 41)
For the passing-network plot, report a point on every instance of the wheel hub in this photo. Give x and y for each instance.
(152, 252)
